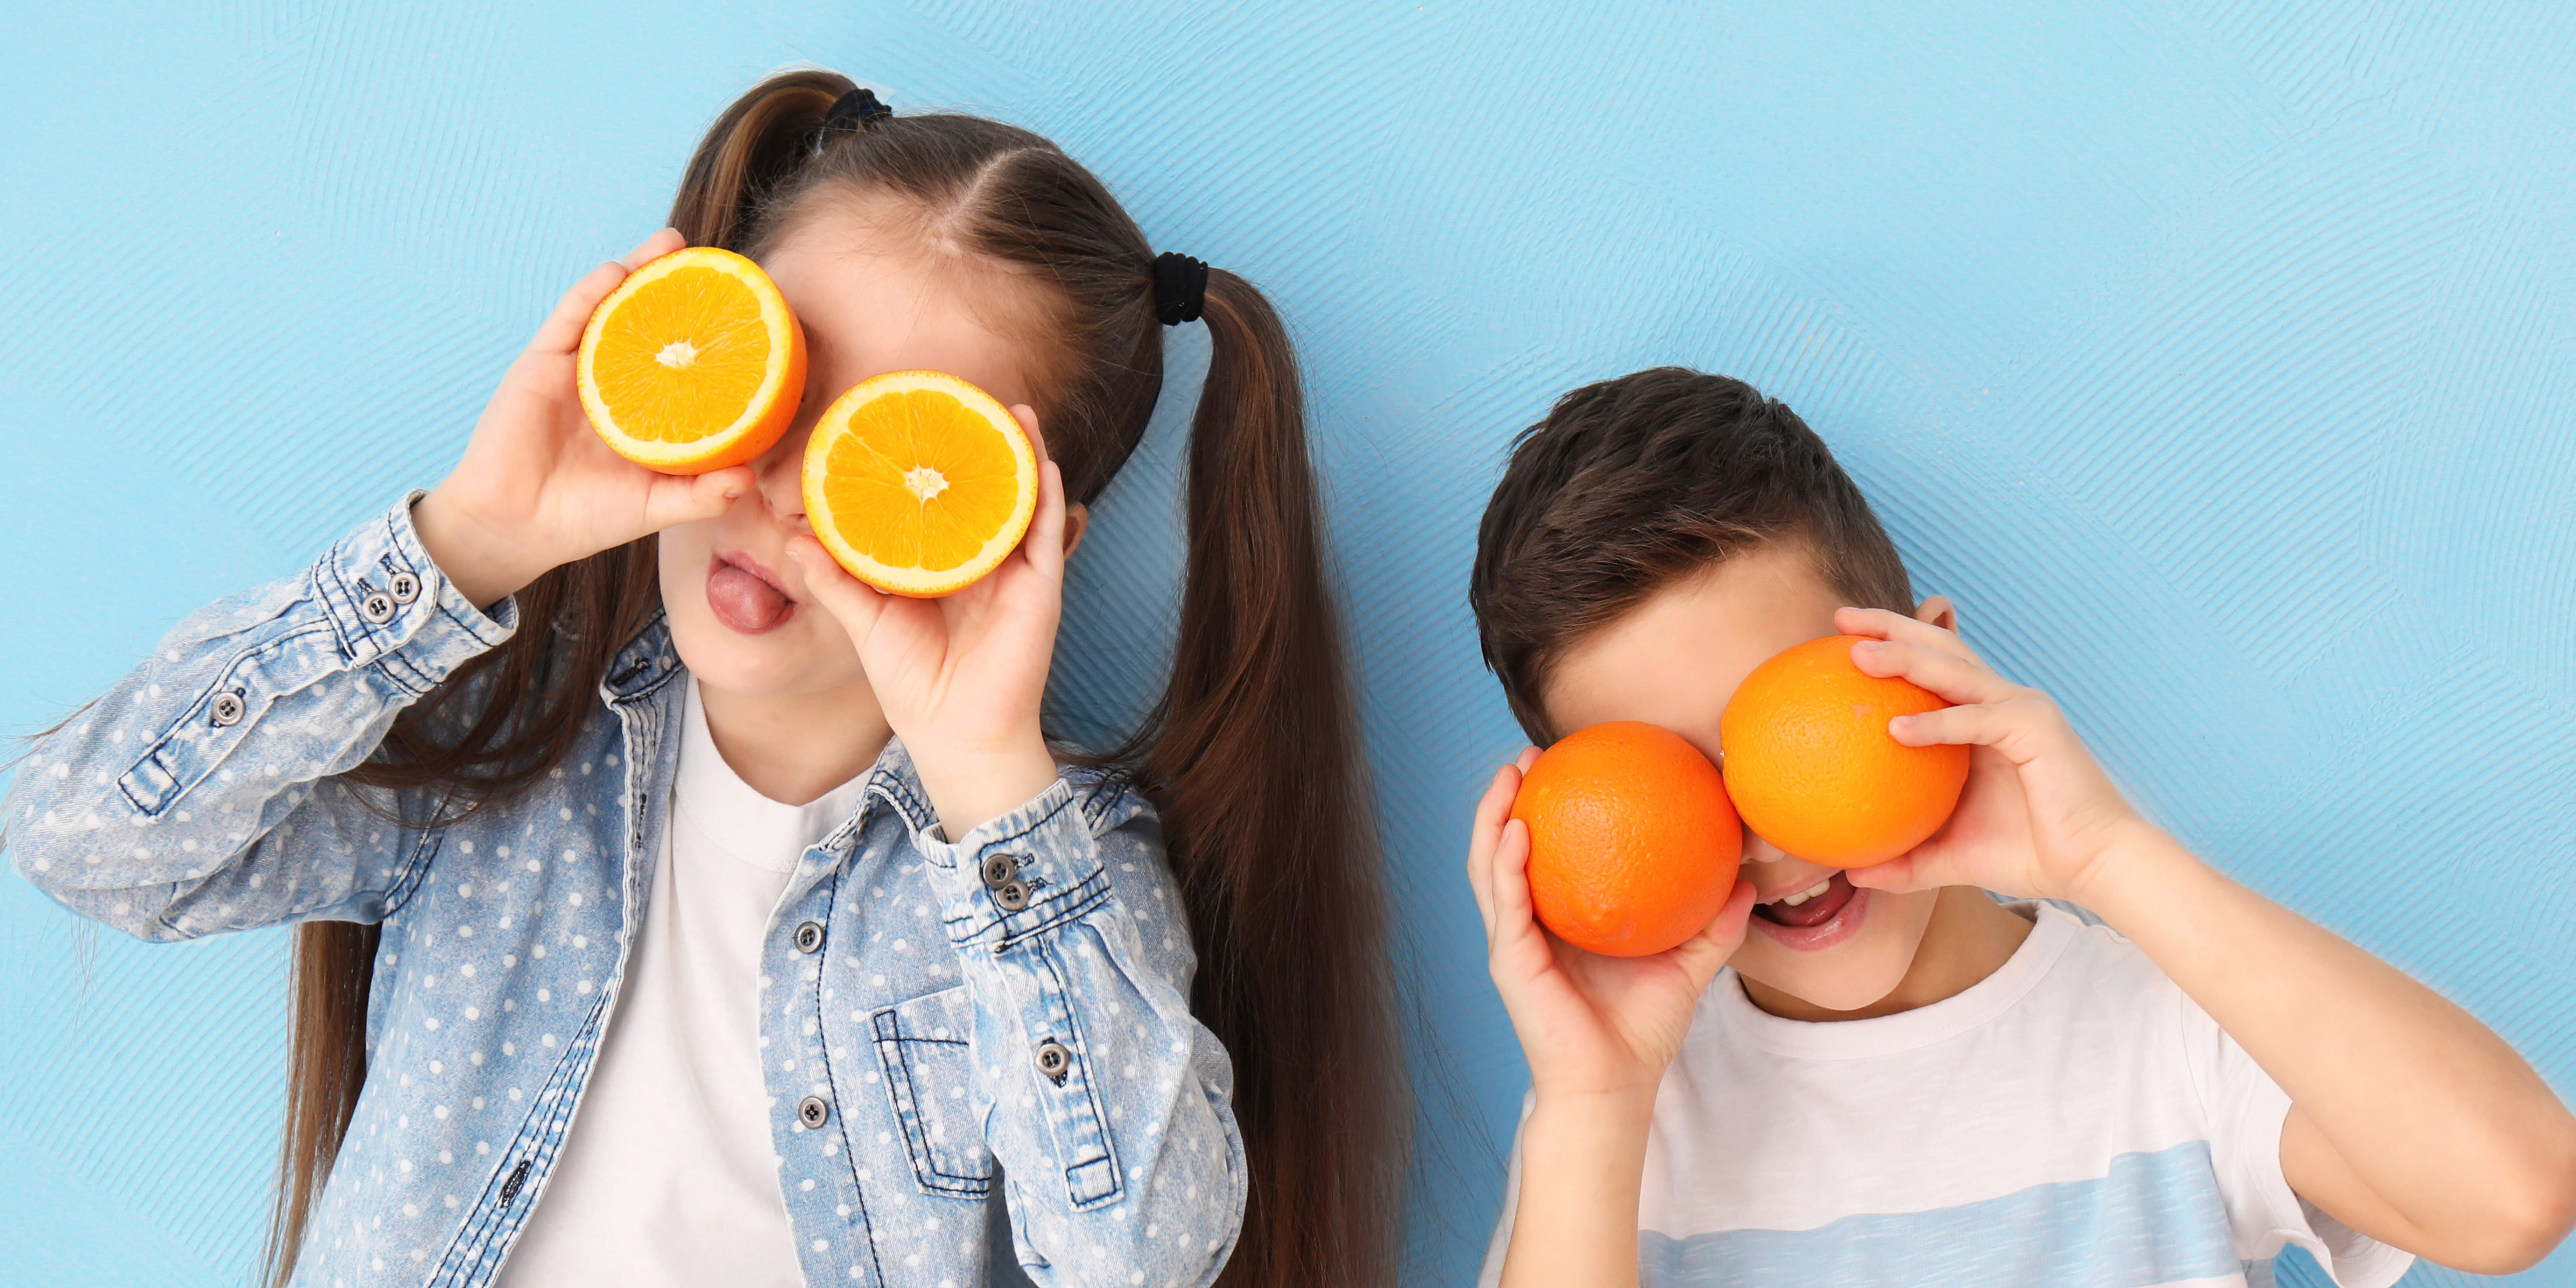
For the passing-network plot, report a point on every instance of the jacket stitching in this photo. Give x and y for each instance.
(196, 710)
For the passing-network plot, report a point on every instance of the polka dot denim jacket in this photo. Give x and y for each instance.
(936, 1015)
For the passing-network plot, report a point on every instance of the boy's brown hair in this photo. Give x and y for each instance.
(1634, 483)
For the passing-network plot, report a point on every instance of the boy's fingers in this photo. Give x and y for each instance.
(1901, 875)
(1511, 880)
(1882, 624)
(1952, 677)
(1485, 836)
(1702, 954)
(2010, 726)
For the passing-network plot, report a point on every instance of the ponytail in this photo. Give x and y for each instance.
(1253, 758)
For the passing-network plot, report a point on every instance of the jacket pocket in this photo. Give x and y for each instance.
(926, 1048)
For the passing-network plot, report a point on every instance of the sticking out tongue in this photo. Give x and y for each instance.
(1813, 912)
(743, 601)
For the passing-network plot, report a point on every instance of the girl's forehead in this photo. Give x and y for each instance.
(872, 300)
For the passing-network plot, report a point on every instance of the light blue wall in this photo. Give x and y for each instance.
(2217, 357)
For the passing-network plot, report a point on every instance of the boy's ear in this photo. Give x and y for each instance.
(1939, 612)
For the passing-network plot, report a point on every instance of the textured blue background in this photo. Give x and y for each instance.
(2215, 356)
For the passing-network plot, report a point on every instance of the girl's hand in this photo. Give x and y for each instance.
(1592, 1026)
(537, 488)
(2038, 816)
(960, 678)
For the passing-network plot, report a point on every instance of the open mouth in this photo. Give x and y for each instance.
(747, 597)
(1818, 916)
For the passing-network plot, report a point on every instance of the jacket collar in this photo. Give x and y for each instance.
(647, 663)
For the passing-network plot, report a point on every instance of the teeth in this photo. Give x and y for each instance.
(1804, 895)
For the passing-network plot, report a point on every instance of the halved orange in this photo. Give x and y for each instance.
(693, 363)
(919, 483)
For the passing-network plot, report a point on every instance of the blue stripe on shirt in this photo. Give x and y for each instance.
(2153, 1219)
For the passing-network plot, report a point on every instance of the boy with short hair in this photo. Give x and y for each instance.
(1886, 1076)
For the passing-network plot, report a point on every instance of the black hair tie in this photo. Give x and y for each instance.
(857, 109)
(1180, 288)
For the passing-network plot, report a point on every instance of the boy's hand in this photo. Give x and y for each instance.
(2038, 815)
(1591, 1025)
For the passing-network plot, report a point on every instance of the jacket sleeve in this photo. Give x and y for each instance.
(1108, 1105)
(198, 795)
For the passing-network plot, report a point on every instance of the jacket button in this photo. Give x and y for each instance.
(405, 587)
(1054, 1061)
(377, 607)
(1013, 896)
(812, 1112)
(809, 936)
(227, 709)
(999, 869)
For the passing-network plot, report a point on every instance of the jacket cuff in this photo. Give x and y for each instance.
(1018, 874)
(390, 605)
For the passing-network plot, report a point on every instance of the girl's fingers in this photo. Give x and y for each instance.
(1952, 677)
(678, 499)
(652, 248)
(854, 602)
(561, 331)
(1028, 418)
(1044, 545)
(1527, 758)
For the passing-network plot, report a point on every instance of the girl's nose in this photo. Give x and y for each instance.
(781, 474)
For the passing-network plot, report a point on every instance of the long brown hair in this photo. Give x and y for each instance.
(1251, 756)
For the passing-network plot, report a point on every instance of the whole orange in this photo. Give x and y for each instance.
(1812, 767)
(1633, 845)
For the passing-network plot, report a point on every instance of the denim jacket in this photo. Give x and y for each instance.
(932, 1008)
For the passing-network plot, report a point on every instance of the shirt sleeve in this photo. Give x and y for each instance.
(1501, 1245)
(2246, 1110)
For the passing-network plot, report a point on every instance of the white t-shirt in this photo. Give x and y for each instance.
(669, 1176)
(2071, 1119)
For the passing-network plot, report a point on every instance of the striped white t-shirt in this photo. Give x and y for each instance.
(2072, 1119)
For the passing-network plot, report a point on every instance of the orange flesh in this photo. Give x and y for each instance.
(718, 320)
(932, 480)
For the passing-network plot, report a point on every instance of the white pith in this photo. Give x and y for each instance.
(677, 354)
(924, 482)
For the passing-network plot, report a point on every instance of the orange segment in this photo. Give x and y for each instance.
(693, 363)
(919, 483)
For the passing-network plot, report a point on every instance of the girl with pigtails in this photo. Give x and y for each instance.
(675, 909)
